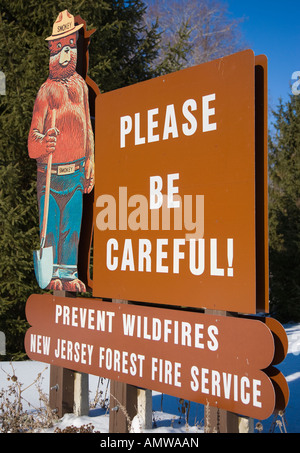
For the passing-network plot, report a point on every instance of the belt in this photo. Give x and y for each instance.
(65, 169)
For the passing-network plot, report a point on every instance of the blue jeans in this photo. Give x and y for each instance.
(64, 217)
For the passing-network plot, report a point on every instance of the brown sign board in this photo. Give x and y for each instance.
(200, 357)
(180, 188)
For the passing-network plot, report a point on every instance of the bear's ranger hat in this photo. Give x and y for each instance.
(63, 26)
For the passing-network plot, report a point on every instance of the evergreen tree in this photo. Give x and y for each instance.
(175, 54)
(284, 211)
(121, 53)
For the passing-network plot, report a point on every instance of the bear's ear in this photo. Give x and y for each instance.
(50, 45)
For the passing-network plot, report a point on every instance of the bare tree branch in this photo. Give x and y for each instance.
(213, 33)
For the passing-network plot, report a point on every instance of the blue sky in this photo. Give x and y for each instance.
(272, 28)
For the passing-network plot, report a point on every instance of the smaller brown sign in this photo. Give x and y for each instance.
(200, 357)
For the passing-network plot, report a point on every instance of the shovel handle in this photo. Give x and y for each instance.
(47, 194)
(47, 187)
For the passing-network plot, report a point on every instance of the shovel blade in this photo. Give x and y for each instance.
(43, 266)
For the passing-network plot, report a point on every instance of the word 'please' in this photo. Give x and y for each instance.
(153, 125)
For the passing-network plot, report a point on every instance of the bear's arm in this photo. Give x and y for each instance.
(36, 143)
(90, 135)
(89, 154)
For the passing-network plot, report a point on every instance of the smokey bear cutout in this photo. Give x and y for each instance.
(62, 142)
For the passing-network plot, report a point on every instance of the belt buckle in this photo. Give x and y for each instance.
(65, 169)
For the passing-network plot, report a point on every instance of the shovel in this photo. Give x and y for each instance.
(43, 258)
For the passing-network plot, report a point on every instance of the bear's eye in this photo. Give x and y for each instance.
(59, 45)
(71, 41)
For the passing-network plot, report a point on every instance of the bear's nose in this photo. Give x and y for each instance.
(67, 49)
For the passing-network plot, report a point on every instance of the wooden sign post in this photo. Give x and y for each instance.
(123, 401)
(68, 389)
(61, 394)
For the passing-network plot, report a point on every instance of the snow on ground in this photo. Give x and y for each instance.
(167, 410)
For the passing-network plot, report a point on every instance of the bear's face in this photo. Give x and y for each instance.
(63, 57)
